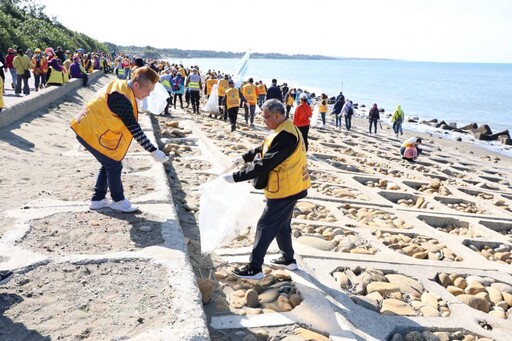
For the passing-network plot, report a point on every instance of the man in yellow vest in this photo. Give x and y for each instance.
(223, 86)
(232, 103)
(250, 99)
(106, 126)
(280, 167)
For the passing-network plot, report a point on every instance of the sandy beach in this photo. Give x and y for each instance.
(385, 247)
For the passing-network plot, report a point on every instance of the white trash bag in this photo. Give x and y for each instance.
(157, 100)
(314, 118)
(225, 212)
(212, 106)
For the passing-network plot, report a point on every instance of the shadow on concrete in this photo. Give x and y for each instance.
(11, 330)
(142, 239)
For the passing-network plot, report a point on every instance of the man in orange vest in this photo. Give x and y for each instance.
(106, 126)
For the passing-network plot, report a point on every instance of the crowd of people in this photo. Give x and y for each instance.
(278, 165)
(48, 67)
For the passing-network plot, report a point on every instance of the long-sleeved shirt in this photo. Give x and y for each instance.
(274, 92)
(302, 115)
(121, 106)
(282, 147)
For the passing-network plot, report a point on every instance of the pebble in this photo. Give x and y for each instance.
(145, 228)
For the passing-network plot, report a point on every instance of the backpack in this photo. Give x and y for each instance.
(350, 111)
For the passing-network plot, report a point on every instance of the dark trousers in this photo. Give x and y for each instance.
(373, 121)
(348, 121)
(180, 96)
(85, 79)
(305, 131)
(109, 175)
(26, 88)
(194, 98)
(39, 80)
(250, 110)
(169, 103)
(275, 222)
(323, 117)
(288, 108)
(233, 113)
(222, 112)
(338, 120)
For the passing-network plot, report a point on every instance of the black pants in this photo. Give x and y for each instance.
(180, 96)
(348, 121)
(373, 121)
(305, 131)
(288, 108)
(194, 98)
(221, 108)
(275, 222)
(233, 114)
(169, 103)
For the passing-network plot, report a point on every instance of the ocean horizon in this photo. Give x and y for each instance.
(454, 92)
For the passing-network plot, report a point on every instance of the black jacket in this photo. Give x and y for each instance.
(275, 92)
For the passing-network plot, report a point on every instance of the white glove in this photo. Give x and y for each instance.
(228, 178)
(238, 161)
(159, 156)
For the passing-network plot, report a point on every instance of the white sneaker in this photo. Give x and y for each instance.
(123, 206)
(99, 204)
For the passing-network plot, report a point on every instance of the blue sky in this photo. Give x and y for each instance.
(423, 30)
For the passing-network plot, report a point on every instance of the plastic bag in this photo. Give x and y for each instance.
(157, 100)
(225, 211)
(257, 110)
(314, 118)
(212, 106)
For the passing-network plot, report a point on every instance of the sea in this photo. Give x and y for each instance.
(460, 93)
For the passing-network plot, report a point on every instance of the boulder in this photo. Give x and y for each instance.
(366, 302)
(483, 130)
(393, 306)
(381, 109)
(470, 127)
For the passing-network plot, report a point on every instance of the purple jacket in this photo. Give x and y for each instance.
(76, 70)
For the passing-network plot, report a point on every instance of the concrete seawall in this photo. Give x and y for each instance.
(40, 99)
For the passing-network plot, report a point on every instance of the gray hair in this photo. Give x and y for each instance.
(274, 106)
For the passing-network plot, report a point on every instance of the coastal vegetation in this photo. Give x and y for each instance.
(24, 24)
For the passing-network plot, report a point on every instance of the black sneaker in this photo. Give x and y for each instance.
(248, 272)
(283, 263)
(5, 276)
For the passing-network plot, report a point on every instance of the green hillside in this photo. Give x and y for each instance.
(24, 24)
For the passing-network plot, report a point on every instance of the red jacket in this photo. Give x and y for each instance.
(302, 115)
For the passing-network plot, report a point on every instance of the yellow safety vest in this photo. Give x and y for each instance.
(290, 100)
(223, 86)
(322, 108)
(249, 92)
(291, 176)
(232, 98)
(262, 89)
(56, 77)
(209, 84)
(101, 128)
